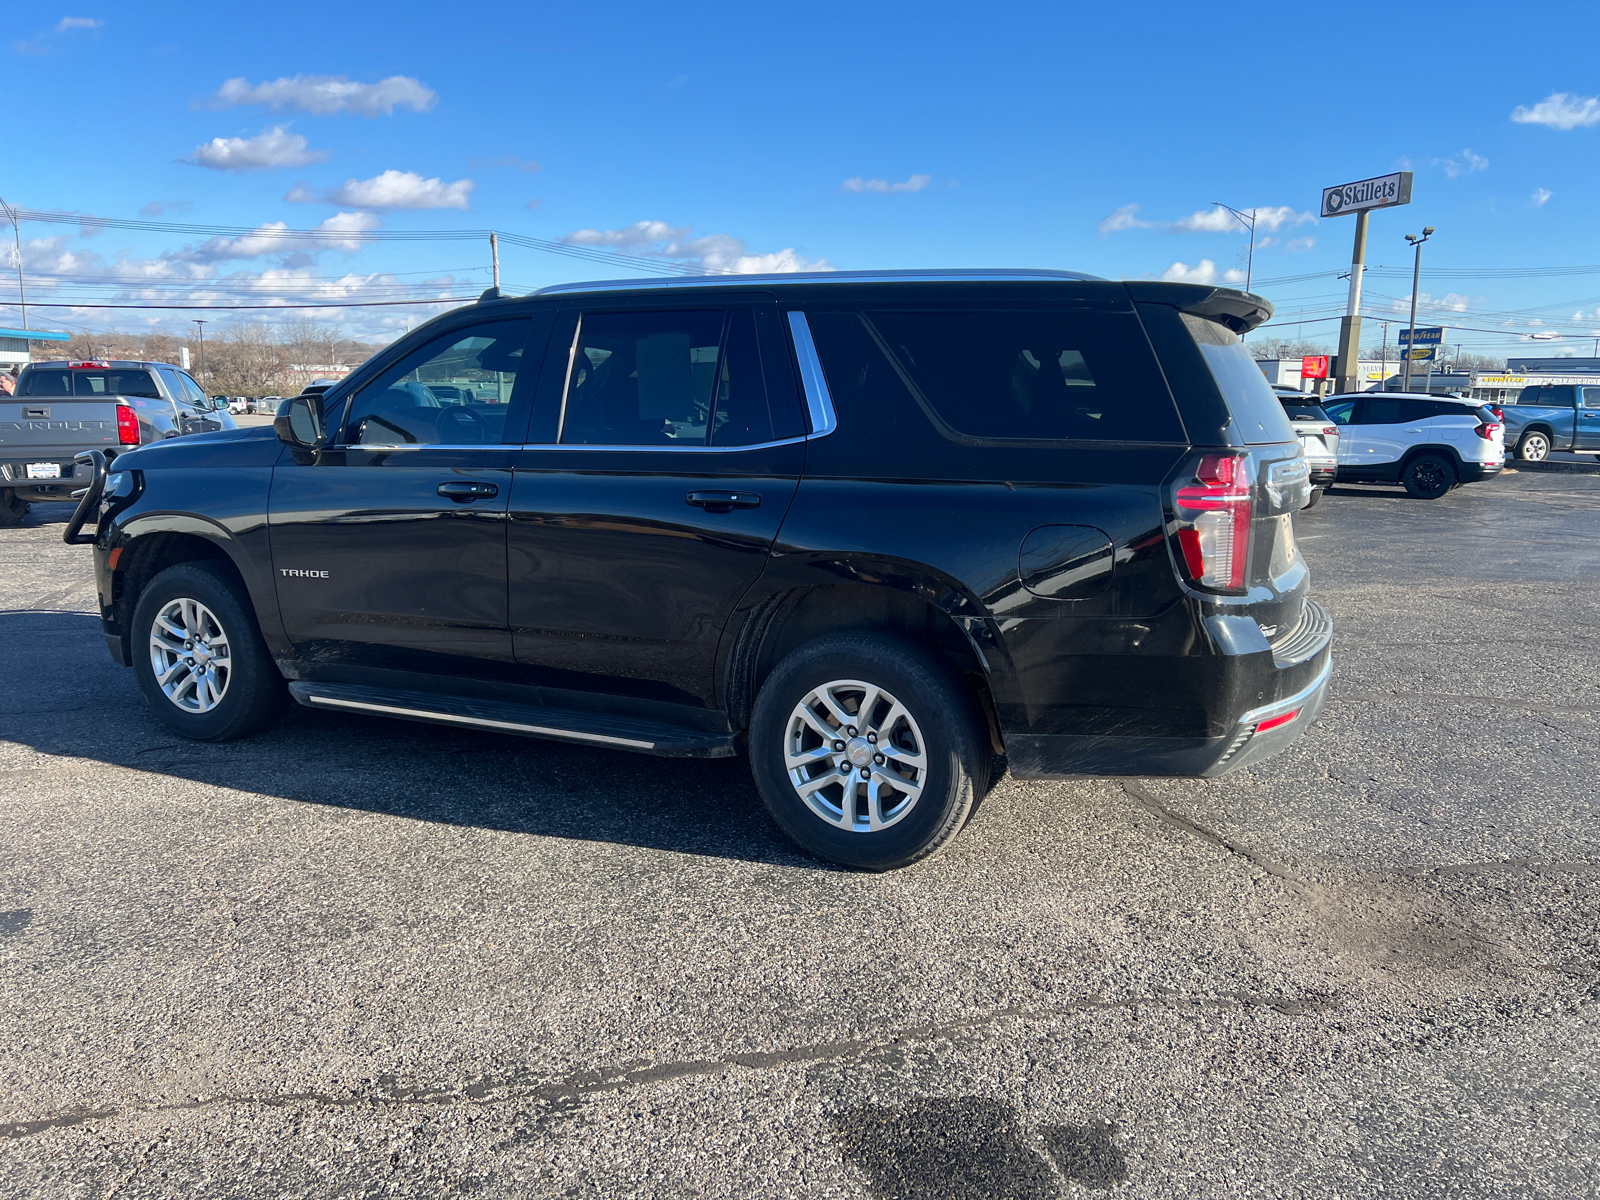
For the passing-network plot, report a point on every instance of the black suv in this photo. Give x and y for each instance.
(869, 529)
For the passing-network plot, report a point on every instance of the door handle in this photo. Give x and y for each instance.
(464, 493)
(721, 502)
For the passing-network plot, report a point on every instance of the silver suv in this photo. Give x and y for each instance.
(1319, 438)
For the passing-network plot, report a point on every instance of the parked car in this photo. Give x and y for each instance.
(238, 405)
(1428, 443)
(866, 529)
(1561, 416)
(1319, 438)
(61, 408)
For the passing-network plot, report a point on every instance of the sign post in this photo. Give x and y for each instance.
(1360, 198)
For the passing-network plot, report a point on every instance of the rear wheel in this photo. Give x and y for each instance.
(199, 657)
(1534, 446)
(12, 508)
(868, 750)
(1428, 476)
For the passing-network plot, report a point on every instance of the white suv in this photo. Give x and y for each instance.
(1428, 443)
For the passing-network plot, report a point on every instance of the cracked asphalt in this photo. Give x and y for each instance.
(358, 958)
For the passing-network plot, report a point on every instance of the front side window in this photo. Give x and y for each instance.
(1030, 375)
(453, 391)
(666, 379)
(1339, 413)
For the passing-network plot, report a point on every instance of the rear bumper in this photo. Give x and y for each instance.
(74, 476)
(1301, 688)
(1472, 472)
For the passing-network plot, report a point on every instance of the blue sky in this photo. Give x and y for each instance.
(853, 135)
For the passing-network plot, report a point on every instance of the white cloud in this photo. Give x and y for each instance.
(1465, 164)
(324, 94)
(719, 253)
(1450, 302)
(1205, 271)
(342, 231)
(78, 23)
(392, 189)
(914, 184)
(1300, 244)
(1540, 197)
(1126, 217)
(157, 208)
(1559, 110)
(269, 149)
(1220, 220)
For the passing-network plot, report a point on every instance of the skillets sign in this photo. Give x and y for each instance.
(1383, 192)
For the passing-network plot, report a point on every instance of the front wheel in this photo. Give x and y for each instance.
(1316, 494)
(1534, 447)
(868, 750)
(1428, 476)
(199, 657)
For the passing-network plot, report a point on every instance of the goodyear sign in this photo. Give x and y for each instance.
(1431, 336)
(1383, 192)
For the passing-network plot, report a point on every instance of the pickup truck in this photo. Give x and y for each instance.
(1559, 416)
(63, 408)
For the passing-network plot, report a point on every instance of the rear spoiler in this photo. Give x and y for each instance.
(1239, 311)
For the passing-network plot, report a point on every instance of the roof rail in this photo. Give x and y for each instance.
(800, 278)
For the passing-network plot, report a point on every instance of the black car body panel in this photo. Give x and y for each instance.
(532, 566)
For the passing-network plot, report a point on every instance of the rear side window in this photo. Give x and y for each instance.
(1392, 411)
(1256, 412)
(1007, 375)
(86, 384)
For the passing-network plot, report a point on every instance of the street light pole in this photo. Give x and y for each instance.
(16, 231)
(1250, 262)
(1416, 277)
(202, 325)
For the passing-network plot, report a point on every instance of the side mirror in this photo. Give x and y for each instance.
(299, 422)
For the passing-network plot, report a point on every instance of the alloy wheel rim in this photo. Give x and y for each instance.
(1430, 476)
(855, 756)
(1537, 448)
(190, 656)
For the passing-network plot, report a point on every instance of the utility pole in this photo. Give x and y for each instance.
(202, 325)
(16, 230)
(1416, 278)
(494, 251)
(1383, 370)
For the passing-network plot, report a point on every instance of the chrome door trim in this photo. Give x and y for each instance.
(819, 403)
(482, 722)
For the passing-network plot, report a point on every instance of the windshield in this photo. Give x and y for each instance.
(1256, 412)
(86, 384)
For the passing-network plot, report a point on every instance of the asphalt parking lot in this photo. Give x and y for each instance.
(360, 958)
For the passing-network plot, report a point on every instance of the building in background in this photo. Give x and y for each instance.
(14, 350)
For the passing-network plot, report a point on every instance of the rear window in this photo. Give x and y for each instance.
(1256, 412)
(87, 384)
(1302, 412)
(1021, 375)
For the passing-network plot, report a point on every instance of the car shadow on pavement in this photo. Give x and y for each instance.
(81, 705)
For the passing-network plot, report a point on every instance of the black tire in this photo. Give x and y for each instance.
(1316, 494)
(13, 508)
(941, 714)
(1534, 446)
(254, 693)
(1428, 476)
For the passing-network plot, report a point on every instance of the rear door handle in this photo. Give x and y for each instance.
(464, 493)
(721, 502)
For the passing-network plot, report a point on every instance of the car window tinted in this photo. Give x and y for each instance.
(1385, 410)
(453, 391)
(1255, 408)
(1339, 413)
(1303, 412)
(666, 379)
(1039, 375)
(131, 382)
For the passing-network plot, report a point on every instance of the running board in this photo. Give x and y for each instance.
(525, 720)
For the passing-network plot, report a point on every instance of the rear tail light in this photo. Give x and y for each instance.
(1487, 429)
(127, 426)
(1329, 429)
(1215, 514)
